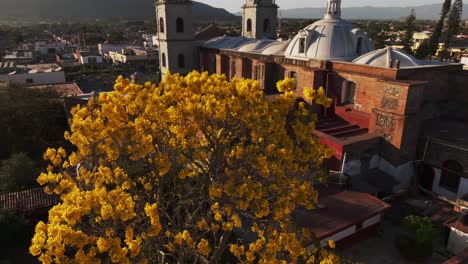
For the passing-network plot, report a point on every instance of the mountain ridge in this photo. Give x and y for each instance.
(431, 12)
(144, 10)
(101, 9)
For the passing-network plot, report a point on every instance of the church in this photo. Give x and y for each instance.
(383, 100)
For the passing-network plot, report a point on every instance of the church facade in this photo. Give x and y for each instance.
(382, 98)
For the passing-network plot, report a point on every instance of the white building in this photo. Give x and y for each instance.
(37, 74)
(105, 48)
(134, 55)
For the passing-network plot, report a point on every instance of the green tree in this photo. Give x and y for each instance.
(410, 28)
(452, 26)
(436, 35)
(31, 119)
(17, 173)
(423, 50)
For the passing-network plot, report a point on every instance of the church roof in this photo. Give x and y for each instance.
(227, 42)
(275, 48)
(387, 57)
(256, 46)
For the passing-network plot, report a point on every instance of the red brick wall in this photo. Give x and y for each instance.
(222, 64)
(208, 61)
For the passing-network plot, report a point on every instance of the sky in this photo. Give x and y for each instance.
(234, 5)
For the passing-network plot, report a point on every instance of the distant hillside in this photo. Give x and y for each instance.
(367, 12)
(100, 9)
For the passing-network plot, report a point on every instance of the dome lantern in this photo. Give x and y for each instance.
(333, 9)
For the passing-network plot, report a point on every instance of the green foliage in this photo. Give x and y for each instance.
(32, 120)
(421, 226)
(453, 21)
(410, 28)
(423, 51)
(15, 236)
(17, 173)
(416, 242)
(10, 226)
(437, 33)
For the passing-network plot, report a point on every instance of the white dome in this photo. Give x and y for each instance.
(329, 39)
(387, 57)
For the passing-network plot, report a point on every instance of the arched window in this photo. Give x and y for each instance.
(266, 25)
(163, 58)
(452, 171)
(249, 25)
(180, 25)
(161, 25)
(181, 60)
(359, 46)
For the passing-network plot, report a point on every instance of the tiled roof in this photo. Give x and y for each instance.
(461, 258)
(28, 200)
(65, 89)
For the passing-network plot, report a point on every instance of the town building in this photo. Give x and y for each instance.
(33, 74)
(134, 55)
(19, 57)
(87, 57)
(105, 48)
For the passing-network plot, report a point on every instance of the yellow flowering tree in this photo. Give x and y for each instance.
(196, 169)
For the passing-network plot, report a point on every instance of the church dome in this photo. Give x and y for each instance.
(331, 38)
(387, 58)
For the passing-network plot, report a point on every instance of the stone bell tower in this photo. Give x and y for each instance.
(177, 47)
(260, 19)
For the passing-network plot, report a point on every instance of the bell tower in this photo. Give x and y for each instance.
(177, 47)
(260, 19)
(333, 9)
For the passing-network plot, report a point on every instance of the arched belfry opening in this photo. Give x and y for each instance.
(180, 25)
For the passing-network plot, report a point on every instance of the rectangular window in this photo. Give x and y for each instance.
(29, 80)
(302, 44)
(349, 93)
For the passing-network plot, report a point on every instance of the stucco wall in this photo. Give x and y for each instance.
(436, 188)
(337, 237)
(457, 242)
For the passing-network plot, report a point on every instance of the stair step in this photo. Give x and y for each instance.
(356, 132)
(330, 124)
(339, 129)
